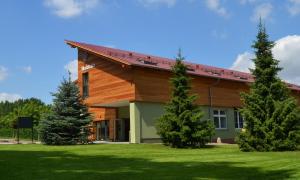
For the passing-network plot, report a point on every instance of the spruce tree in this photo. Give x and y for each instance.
(181, 125)
(68, 119)
(272, 117)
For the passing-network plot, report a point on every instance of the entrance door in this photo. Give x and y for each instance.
(103, 130)
(122, 129)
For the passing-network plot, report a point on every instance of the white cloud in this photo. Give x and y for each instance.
(72, 67)
(215, 6)
(149, 3)
(70, 8)
(262, 11)
(294, 7)
(243, 62)
(27, 69)
(286, 50)
(3, 73)
(9, 97)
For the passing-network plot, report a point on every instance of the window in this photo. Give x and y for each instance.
(85, 85)
(239, 121)
(220, 119)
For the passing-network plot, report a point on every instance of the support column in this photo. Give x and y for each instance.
(135, 131)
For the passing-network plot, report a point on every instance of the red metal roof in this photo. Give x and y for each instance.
(144, 60)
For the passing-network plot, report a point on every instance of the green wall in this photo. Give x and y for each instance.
(143, 116)
(123, 112)
(228, 133)
(149, 113)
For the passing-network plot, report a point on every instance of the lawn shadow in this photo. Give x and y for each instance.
(62, 165)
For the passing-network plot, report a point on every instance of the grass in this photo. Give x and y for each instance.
(143, 161)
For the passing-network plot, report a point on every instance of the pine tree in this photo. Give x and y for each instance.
(271, 114)
(181, 125)
(69, 116)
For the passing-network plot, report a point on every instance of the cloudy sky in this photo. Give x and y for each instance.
(34, 57)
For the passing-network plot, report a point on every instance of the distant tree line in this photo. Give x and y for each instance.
(10, 111)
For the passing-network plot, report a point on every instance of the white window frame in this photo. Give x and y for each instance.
(238, 120)
(219, 115)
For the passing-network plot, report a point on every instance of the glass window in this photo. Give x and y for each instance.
(216, 112)
(85, 85)
(222, 112)
(216, 121)
(223, 122)
(239, 121)
(220, 119)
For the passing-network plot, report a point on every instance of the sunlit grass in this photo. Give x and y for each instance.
(143, 161)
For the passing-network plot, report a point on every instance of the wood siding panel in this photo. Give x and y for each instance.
(151, 85)
(108, 81)
(100, 114)
(154, 86)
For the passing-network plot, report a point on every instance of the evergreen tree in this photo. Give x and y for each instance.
(271, 114)
(181, 126)
(68, 119)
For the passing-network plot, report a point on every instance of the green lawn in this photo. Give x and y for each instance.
(143, 161)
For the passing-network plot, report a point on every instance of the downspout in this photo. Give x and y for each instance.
(210, 95)
(210, 99)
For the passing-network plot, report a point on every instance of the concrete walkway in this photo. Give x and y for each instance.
(109, 142)
(13, 141)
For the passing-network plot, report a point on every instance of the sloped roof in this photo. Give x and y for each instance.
(155, 62)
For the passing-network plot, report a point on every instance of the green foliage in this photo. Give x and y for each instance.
(23, 133)
(32, 107)
(10, 111)
(181, 126)
(64, 125)
(271, 114)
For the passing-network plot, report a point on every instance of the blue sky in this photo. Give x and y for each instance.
(34, 56)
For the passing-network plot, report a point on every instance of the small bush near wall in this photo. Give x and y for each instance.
(12, 133)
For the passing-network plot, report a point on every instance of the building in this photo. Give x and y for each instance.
(126, 92)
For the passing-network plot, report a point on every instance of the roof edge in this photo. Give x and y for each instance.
(77, 45)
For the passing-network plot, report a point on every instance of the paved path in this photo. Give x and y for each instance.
(109, 142)
(13, 141)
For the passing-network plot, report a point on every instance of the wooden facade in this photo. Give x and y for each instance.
(153, 86)
(108, 81)
(112, 81)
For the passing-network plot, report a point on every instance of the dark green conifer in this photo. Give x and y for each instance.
(181, 125)
(271, 114)
(69, 116)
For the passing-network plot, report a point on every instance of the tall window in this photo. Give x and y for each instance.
(85, 85)
(220, 119)
(239, 121)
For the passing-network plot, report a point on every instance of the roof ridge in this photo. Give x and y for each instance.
(187, 62)
(157, 62)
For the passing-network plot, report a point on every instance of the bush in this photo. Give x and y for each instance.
(23, 133)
